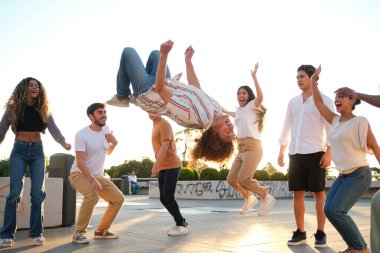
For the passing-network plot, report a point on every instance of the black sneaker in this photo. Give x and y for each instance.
(298, 238)
(320, 239)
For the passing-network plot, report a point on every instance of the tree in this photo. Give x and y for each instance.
(4, 167)
(184, 141)
(269, 168)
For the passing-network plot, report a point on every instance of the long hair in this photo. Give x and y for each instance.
(260, 112)
(212, 148)
(19, 99)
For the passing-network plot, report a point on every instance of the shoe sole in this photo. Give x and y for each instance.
(6, 246)
(105, 237)
(320, 245)
(80, 242)
(179, 234)
(297, 243)
(267, 210)
(118, 105)
(249, 209)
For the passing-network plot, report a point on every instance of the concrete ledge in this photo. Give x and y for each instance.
(52, 205)
(219, 189)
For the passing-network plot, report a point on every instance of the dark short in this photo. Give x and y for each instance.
(305, 172)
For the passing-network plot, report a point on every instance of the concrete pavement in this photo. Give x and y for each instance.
(214, 225)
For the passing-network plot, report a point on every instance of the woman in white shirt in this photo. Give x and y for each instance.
(249, 123)
(351, 138)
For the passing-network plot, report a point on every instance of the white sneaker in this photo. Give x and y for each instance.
(118, 102)
(178, 230)
(39, 240)
(266, 205)
(6, 242)
(80, 238)
(248, 204)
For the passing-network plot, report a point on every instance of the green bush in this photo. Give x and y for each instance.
(277, 176)
(261, 175)
(209, 174)
(223, 174)
(4, 167)
(196, 176)
(186, 174)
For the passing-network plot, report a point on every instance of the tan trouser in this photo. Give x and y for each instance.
(110, 193)
(244, 167)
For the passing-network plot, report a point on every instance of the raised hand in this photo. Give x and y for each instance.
(166, 47)
(254, 71)
(189, 53)
(316, 73)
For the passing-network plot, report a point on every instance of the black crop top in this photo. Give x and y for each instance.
(31, 122)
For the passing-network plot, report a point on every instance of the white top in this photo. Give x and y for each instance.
(132, 178)
(189, 106)
(247, 121)
(349, 143)
(304, 127)
(95, 146)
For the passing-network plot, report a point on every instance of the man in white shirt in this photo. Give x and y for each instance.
(92, 143)
(135, 187)
(304, 131)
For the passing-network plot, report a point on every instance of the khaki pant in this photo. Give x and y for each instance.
(110, 193)
(244, 167)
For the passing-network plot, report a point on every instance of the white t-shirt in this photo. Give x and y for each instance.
(247, 121)
(95, 145)
(349, 143)
(132, 178)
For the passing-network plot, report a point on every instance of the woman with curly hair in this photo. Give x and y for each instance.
(188, 105)
(27, 112)
(249, 118)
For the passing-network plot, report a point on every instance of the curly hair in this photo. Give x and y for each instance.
(19, 99)
(212, 148)
(260, 112)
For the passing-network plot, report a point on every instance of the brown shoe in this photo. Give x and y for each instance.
(105, 235)
(351, 250)
(117, 102)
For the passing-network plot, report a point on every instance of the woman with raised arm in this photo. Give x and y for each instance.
(27, 112)
(351, 138)
(249, 119)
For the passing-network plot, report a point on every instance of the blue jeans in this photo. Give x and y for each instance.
(167, 182)
(343, 194)
(25, 154)
(135, 187)
(375, 223)
(132, 71)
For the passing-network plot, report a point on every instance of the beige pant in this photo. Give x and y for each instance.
(110, 193)
(244, 167)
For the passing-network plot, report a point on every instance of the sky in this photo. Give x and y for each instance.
(74, 48)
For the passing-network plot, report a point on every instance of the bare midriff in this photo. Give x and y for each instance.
(29, 136)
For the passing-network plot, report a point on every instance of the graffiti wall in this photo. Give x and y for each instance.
(52, 204)
(216, 190)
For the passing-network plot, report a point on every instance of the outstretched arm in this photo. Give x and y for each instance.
(259, 93)
(370, 99)
(165, 93)
(192, 78)
(326, 113)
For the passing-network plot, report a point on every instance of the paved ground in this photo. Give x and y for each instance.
(215, 226)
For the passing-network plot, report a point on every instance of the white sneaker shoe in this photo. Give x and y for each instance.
(39, 240)
(80, 238)
(7, 242)
(178, 230)
(117, 102)
(266, 205)
(248, 204)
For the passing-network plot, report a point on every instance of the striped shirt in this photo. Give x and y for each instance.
(189, 106)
